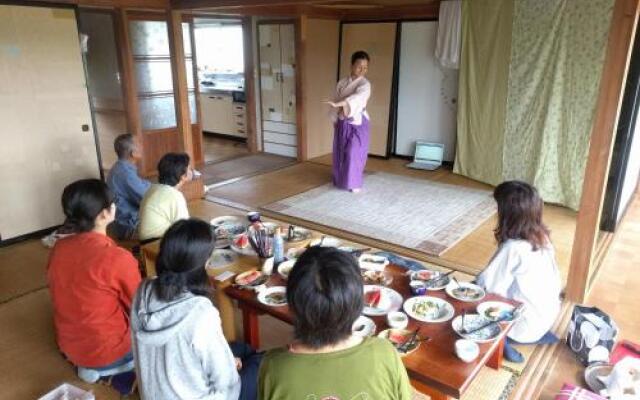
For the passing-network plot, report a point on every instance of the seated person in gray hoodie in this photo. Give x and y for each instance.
(178, 345)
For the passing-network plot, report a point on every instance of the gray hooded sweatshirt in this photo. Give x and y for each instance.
(179, 349)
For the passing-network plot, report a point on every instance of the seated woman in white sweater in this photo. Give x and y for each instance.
(524, 266)
(178, 345)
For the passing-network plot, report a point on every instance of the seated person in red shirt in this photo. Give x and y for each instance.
(92, 283)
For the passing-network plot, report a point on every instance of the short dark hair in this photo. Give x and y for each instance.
(520, 214)
(171, 167)
(82, 201)
(124, 145)
(184, 251)
(324, 292)
(359, 55)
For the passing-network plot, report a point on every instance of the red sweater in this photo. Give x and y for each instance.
(92, 283)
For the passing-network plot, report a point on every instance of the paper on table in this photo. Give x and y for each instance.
(224, 276)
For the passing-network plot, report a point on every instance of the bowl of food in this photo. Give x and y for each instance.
(397, 320)
(434, 280)
(285, 268)
(465, 291)
(376, 277)
(494, 310)
(240, 244)
(275, 296)
(429, 309)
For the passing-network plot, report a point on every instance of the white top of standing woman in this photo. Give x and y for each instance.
(353, 92)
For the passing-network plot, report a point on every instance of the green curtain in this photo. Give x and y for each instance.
(557, 50)
(482, 88)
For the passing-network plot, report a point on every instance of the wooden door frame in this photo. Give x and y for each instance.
(612, 83)
(249, 81)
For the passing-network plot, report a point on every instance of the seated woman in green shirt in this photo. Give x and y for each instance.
(325, 361)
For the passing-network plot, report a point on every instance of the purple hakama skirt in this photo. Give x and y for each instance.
(350, 148)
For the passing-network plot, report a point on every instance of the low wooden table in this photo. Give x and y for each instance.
(434, 368)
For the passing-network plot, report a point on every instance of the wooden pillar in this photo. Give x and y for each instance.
(128, 79)
(180, 89)
(620, 43)
(301, 118)
(248, 36)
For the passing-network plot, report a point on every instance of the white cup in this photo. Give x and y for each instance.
(467, 350)
(397, 320)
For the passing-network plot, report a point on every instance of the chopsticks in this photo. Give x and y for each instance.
(261, 242)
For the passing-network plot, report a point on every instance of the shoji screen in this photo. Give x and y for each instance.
(47, 138)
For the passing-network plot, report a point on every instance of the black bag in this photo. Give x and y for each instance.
(591, 335)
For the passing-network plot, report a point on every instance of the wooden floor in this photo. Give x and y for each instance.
(217, 149)
(472, 253)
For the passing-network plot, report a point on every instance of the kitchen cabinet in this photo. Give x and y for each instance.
(220, 114)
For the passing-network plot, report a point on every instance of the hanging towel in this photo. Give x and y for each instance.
(449, 34)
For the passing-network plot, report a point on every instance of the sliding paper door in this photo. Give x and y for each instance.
(47, 136)
(427, 92)
(377, 39)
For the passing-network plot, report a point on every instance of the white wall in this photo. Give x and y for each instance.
(426, 93)
(632, 174)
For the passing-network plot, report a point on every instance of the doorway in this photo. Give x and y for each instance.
(219, 55)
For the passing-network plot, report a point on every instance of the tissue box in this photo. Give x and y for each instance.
(572, 392)
(68, 392)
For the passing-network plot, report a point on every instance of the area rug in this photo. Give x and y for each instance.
(244, 166)
(413, 213)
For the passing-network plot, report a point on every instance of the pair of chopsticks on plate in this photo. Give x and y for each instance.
(507, 316)
(413, 340)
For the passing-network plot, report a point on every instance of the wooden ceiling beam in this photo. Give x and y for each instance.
(219, 4)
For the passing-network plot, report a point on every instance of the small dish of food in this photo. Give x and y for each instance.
(380, 300)
(253, 279)
(376, 277)
(476, 328)
(275, 296)
(372, 262)
(363, 327)
(240, 245)
(494, 310)
(429, 309)
(285, 268)
(433, 280)
(404, 340)
(465, 291)
(397, 320)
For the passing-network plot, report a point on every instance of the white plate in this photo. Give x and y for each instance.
(285, 268)
(452, 286)
(221, 258)
(416, 275)
(471, 321)
(226, 219)
(498, 306)
(262, 296)
(394, 303)
(369, 327)
(328, 241)
(246, 251)
(445, 309)
(372, 262)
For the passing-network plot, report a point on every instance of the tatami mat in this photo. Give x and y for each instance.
(22, 269)
(31, 364)
(490, 384)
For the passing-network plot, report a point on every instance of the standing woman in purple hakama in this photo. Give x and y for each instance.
(351, 125)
